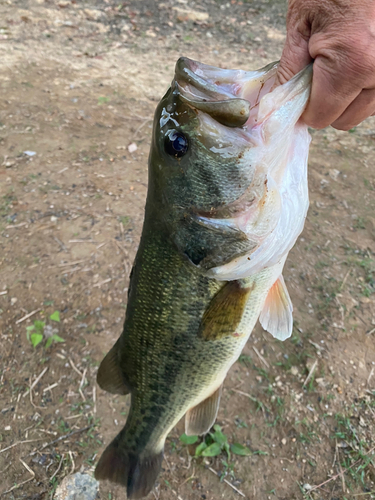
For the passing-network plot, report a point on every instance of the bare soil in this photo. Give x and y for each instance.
(79, 83)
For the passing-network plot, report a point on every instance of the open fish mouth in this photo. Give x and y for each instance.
(229, 96)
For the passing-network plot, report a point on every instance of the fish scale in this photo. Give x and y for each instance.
(221, 182)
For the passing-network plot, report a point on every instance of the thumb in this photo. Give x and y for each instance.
(295, 56)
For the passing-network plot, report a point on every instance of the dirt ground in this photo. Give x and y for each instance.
(79, 84)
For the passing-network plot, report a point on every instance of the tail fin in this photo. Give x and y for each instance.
(137, 473)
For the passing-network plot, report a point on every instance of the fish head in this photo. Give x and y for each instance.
(222, 155)
(198, 142)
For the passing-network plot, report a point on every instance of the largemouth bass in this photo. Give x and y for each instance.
(227, 198)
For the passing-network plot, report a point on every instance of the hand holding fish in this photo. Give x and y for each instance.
(340, 37)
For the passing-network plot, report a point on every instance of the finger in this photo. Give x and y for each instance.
(295, 57)
(331, 94)
(361, 108)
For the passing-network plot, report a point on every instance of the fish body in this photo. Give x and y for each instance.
(227, 198)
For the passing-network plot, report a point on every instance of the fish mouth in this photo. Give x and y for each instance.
(208, 96)
(231, 97)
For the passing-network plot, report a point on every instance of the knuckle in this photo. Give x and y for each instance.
(348, 53)
(342, 126)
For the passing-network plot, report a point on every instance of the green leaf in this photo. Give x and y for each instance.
(36, 338)
(239, 449)
(260, 452)
(200, 448)
(103, 100)
(212, 451)
(54, 338)
(57, 338)
(28, 330)
(55, 316)
(188, 439)
(218, 436)
(39, 325)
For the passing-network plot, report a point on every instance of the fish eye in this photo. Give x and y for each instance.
(176, 144)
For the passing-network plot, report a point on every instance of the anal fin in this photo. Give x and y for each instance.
(276, 316)
(201, 418)
(110, 376)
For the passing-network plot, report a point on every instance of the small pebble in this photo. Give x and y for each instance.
(294, 370)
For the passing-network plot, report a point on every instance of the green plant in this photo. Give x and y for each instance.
(36, 337)
(35, 332)
(103, 100)
(214, 444)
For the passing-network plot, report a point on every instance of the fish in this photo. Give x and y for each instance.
(227, 198)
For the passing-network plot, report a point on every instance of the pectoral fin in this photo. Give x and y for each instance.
(224, 312)
(201, 418)
(110, 376)
(276, 316)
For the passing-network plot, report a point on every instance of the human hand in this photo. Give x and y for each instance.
(339, 35)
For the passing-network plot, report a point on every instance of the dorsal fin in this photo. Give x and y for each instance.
(276, 316)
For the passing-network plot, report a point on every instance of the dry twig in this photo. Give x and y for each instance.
(74, 367)
(228, 483)
(58, 468)
(261, 357)
(65, 436)
(61, 244)
(370, 376)
(311, 372)
(27, 316)
(16, 486)
(343, 472)
(20, 442)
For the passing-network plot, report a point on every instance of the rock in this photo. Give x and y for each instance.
(49, 331)
(294, 370)
(77, 487)
(132, 148)
(334, 173)
(94, 14)
(190, 15)
(320, 381)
